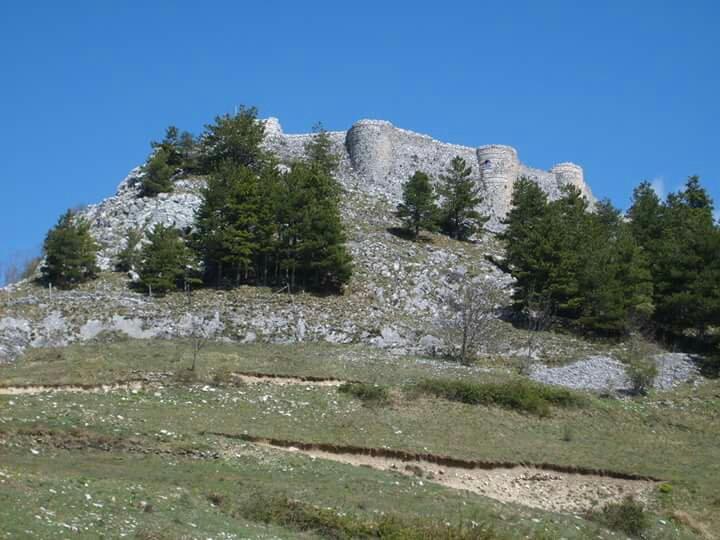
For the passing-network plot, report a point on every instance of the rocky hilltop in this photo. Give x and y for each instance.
(375, 159)
(398, 296)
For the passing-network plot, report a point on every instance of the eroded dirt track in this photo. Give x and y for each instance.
(544, 486)
(33, 389)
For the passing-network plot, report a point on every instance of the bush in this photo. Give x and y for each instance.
(517, 395)
(628, 516)
(329, 523)
(642, 373)
(370, 394)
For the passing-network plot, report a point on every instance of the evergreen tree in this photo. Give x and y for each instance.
(524, 237)
(226, 223)
(311, 236)
(459, 219)
(686, 270)
(166, 261)
(158, 174)
(319, 151)
(70, 253)
(616, 284)
(566, 233)
(171, 146)
(233, 138)
(418, 209)
(129, 258)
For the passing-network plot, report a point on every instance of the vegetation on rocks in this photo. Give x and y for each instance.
(70, 253)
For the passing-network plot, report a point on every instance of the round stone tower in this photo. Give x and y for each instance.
(369, 145)
(499, 168)
(569, 173)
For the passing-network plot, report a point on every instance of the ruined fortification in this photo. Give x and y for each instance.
(378, 157)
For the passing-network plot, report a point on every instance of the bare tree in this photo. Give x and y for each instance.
(473, 321)
(202, 330)
(538, 312)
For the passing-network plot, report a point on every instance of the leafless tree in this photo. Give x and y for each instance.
(202, 330)
(537, 313)
(473, 321)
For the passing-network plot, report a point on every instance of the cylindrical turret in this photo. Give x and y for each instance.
(369, 145)
(499, 167)
(569, 173)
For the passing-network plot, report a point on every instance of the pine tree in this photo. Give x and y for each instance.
(233, 138)
(171, 146)
(70, 253)
(459, 219)
(158, 174)
(418, 209)
(319, 151)
(129, 258)
(686, 271)
(311, 237)
(226, 222)
(565, 234)
(616, 284)
(166, 261)
(525, 239)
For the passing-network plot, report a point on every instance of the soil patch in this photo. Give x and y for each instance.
(285, 380)
(556, 488)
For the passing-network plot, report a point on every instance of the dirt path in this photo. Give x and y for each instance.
(33, 389)
(283, 380)
(534, 486)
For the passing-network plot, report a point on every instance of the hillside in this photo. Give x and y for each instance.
(399, 292)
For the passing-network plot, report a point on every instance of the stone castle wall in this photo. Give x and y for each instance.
(378, 157)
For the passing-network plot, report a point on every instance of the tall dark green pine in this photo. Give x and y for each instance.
(225, 224)
(565, 232)
(687, 270)
(312, 237)
(524, 237)
(458, 217)
(319, 151)
(419, 208)
(615, 280)
(70, 253)
(158, 174)
(233, 138)
(166, 261)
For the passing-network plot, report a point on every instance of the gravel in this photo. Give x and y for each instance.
(602, 373)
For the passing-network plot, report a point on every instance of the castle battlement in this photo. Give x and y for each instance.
(378, 157)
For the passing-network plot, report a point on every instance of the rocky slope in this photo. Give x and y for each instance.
(398, 298)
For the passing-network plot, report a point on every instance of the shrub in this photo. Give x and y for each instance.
(370, 394)
(518, 395)
(642, 373)
(628, 516)
(329, 523)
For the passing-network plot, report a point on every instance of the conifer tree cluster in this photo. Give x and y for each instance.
(177, 151)
(660, 264)
(455, 216)
(70, 253)
(261, 226)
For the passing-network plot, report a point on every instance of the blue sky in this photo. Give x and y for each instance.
(629, 90)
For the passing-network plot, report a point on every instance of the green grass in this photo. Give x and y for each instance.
(370, 394)
(673, 436)
(519, 395)
(337, 524)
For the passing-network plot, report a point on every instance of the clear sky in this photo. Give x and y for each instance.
(630, 90)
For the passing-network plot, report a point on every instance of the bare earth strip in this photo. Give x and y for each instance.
(25, 390)
(283, 380)
(534, 486)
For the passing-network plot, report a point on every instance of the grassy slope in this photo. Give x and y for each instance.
(673, 436)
